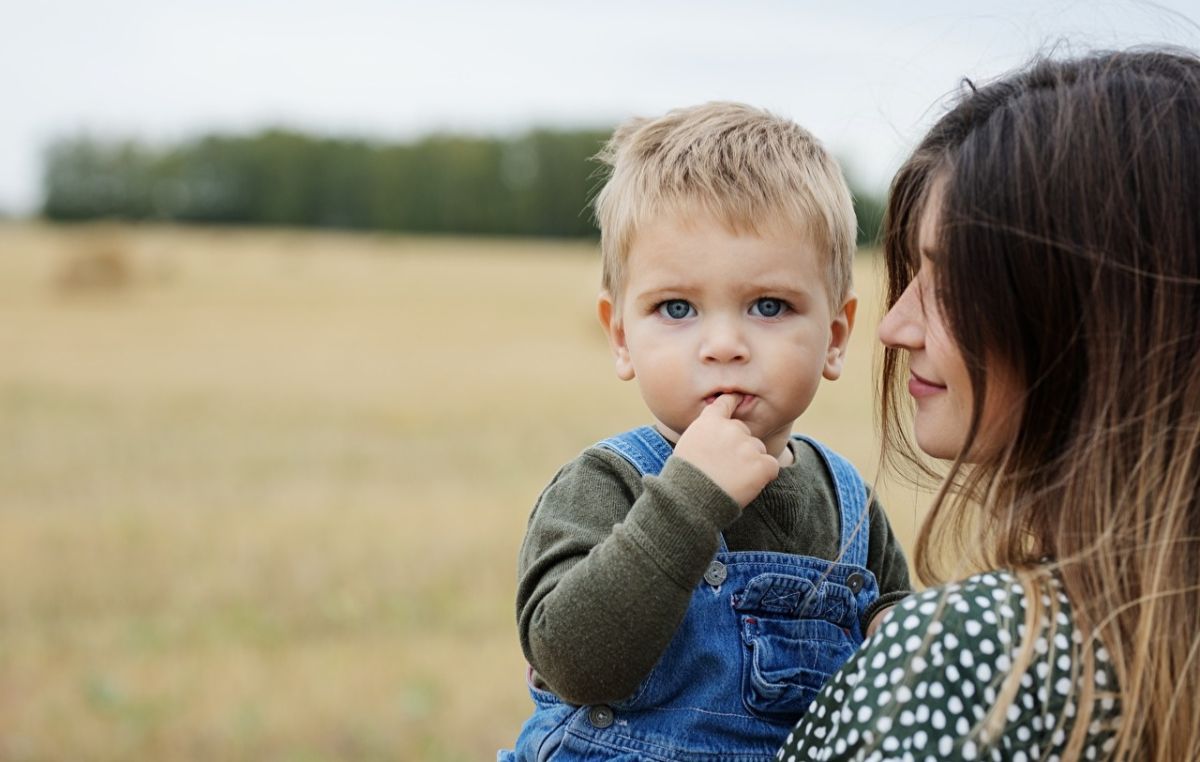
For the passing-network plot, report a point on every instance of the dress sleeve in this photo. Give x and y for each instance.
(922, 686)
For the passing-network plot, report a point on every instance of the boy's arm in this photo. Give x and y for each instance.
(604, 584)
(886, 560)
(596, 612)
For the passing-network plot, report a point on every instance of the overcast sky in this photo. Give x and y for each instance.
(866, 76)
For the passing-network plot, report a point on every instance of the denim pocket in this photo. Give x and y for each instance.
(787, 662)
(796, 634)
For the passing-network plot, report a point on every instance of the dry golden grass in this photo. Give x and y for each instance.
(261, 492)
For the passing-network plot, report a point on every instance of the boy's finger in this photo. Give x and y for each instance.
(724, 405)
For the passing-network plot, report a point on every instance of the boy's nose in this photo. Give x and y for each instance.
(723, 342)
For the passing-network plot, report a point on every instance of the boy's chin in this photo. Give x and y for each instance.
(667, 431)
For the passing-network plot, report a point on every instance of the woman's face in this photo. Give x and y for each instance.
(938, 378)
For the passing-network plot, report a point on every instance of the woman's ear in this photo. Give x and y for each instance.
(615, 331)
(839, 338)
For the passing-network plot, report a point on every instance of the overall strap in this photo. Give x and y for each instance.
(852, 500)
(644, 447)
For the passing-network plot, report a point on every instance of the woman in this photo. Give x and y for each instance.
(1043, 256)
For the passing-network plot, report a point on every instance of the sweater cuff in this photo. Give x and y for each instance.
(680, 523)
(881, 603)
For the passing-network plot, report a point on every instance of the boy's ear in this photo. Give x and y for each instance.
(615, 330)
(839, 338)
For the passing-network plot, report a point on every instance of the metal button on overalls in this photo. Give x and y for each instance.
(716, 574)
(600, 716)
(855, 582)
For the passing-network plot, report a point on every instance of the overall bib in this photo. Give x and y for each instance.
(763, 632)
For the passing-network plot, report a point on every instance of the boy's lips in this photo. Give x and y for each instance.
(743, 405)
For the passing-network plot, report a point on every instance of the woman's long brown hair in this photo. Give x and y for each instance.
(1068, 257)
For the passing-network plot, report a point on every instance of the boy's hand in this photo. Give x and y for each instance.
(877, 620)
(723, 448)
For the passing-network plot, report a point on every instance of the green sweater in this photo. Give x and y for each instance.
(610, 560)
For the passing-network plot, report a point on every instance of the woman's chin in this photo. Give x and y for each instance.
(936, 444)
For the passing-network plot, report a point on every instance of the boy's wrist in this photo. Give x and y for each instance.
(877, 619)
(702, 498)
(880, 606)
(678, 519)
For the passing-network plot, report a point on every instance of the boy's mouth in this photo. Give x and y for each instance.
(744, 404)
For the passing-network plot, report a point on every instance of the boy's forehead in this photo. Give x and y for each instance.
(678, 240)
(733, 263)
(697, 215)
(674, 239)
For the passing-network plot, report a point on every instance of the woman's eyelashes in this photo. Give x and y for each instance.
(681, 309)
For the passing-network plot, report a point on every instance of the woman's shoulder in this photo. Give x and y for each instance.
(924, 684)
(987, 607)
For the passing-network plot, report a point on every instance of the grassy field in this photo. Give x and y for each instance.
(261, 492)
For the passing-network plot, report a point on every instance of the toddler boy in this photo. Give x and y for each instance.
(685, 588)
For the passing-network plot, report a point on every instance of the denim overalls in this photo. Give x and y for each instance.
(762, 634)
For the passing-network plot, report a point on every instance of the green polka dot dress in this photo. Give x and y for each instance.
(920, 688)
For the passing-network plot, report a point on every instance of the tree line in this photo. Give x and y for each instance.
(539, 183)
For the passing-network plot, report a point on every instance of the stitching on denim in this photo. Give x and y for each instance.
(786, 599)
(643, 447)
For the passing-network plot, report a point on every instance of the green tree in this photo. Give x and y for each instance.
(537, 183)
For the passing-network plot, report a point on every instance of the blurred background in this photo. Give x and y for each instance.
(297, 318)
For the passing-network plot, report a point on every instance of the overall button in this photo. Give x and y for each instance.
(600, 716)
(716, 574)
(855, 582)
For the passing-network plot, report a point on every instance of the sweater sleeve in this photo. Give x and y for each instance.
(886, 560)
(606, 575)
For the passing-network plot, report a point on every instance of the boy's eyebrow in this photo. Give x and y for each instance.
(790, 289)
(675, 289)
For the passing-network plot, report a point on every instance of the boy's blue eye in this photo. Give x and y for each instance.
(676, 309)
(767, 307)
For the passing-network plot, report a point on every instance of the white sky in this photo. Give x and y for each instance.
(868, 79)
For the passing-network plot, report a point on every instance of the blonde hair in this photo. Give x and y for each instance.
(1068, 255)
(744, 166)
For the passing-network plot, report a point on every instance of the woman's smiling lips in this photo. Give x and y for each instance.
(922, 387)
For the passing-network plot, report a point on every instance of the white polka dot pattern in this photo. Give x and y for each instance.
(920, 688)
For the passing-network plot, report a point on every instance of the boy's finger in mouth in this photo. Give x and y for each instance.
(744, 404)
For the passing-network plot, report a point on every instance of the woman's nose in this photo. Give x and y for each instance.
(903, 327)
